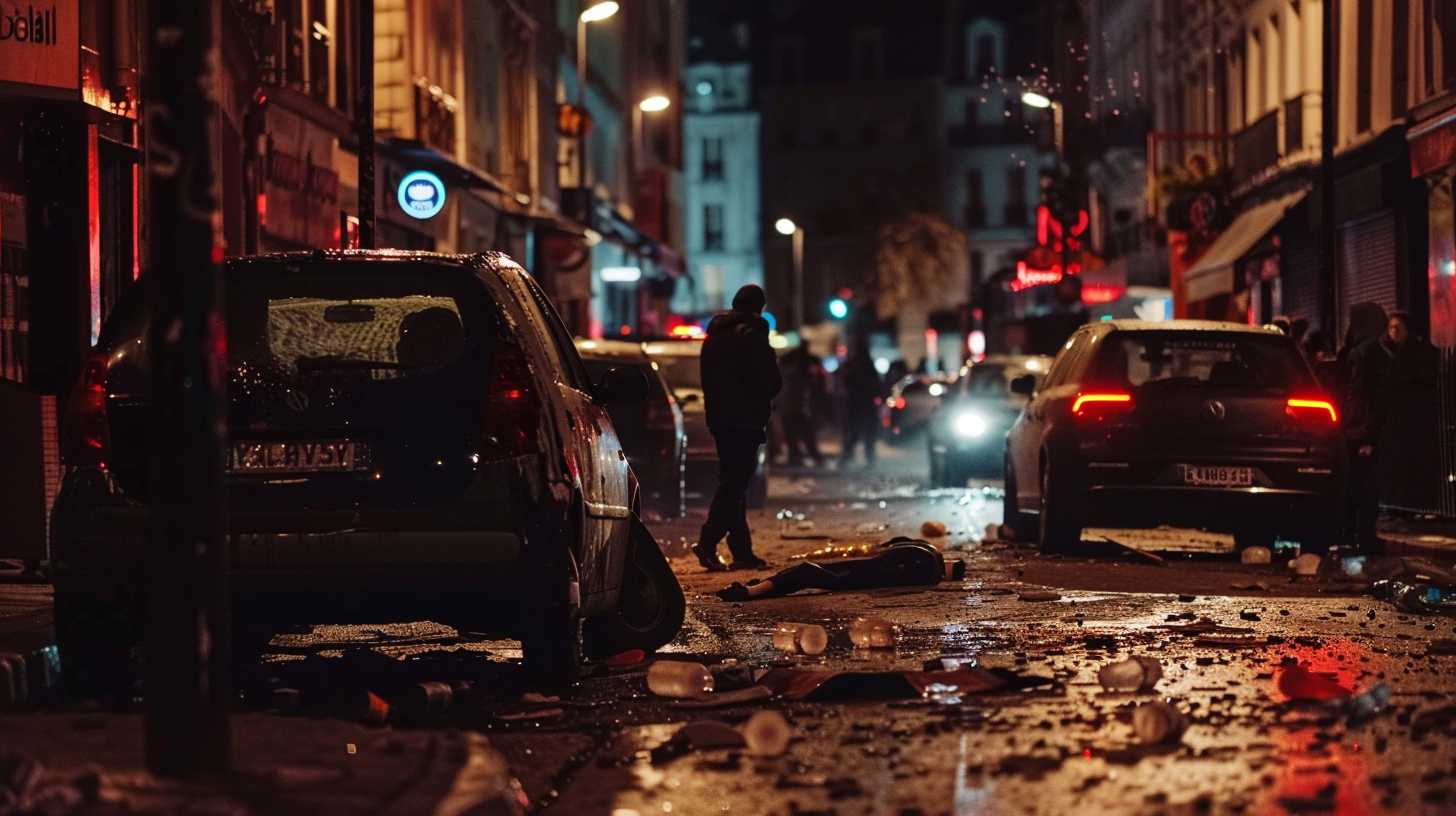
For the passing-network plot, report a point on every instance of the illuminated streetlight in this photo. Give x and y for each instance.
(786, 226)
(1036, 100)
(597, 12)
(654, 103)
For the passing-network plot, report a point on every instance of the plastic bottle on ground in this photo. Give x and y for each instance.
(767, 734)
(1133, 674)
(1158, 722)
(804, 638)
(679, 678)
(872, 633)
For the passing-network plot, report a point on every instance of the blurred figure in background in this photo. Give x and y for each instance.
(863, 391)
(796, 405)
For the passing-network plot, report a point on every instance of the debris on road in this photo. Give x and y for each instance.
(1158, 722)
(1039, 595)
(1421, 598)
(800, 638)
(1307, 564)
(1256, 555)
(767, 734)
(1259, 586)
(1299, 683)
(872, 633)
(631, 657)
(723, 699)
(830, 686)
(1133, 674)
(679, 678)
(933, 529)
(700, 735)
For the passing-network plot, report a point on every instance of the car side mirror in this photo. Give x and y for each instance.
(1025, 385)
(687, 398)
(622, 385)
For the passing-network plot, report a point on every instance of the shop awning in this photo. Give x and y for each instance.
(1214, 272)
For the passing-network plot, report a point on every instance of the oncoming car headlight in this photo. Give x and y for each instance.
(970, 424)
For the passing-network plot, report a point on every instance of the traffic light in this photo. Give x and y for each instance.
(838, 309)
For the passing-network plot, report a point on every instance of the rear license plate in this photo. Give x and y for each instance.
(1217, 475)
(291, 457)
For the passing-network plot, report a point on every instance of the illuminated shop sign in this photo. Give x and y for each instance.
(421, 194)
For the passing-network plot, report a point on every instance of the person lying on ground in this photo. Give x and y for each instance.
(902, 562)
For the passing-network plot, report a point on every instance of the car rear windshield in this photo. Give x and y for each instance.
(371, 321)
(681, 371)
(1212, 359)
(993, 380)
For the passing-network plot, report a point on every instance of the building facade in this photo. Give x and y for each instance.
(724, 228)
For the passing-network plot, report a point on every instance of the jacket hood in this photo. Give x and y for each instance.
(737, 323)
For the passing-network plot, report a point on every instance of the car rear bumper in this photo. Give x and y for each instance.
(1216, 508)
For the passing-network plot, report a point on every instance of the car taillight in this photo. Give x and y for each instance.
(1312, 409)
(899, 403)
(85, 434)
(1101, 404)
(513, 411)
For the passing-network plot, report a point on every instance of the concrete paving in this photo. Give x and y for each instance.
(1225, 635)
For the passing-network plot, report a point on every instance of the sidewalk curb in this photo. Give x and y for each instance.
(1410, 545)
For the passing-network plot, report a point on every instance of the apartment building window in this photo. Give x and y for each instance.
(713, 159)
(1399, 66)
(975, 199)
(293, 46)
(319, 40)
(343, 80)
(1444, 37)
(1016, 196)
(1364, 23)
(712, 226)
(985, 55)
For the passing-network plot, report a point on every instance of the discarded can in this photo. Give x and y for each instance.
(1133, 674)
(801, 638)
(1420, 598)
(1158, 722)
(872, 633)
(679, 678)
(1256, 555)
(767, 734)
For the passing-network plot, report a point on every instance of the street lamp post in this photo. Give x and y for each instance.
(593, 13)
(1044, 102)
(656, 103)
(786, 226)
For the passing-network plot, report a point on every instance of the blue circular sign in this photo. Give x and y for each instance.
(421, 194)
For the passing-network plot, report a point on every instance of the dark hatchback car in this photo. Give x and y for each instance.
(411, 436)
(966, 435)
(1218, 426)
(651, 430)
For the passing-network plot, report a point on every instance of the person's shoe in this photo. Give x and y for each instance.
(709, 558)
(748, 562)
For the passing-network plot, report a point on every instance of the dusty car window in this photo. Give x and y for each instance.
(1161, 358)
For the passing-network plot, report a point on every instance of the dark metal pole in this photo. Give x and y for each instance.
(1329, 95)
(364, 120)
(187, 619)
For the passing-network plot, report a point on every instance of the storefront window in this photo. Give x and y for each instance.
(1442, 262)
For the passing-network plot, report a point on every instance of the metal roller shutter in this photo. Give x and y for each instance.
(1368, 263)
(1301, 277)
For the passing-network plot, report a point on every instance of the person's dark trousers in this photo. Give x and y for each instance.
(1364, 487)
(799, 436)
(859, 427)
(728, 514)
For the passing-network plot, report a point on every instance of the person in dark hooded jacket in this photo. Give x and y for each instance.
(740, 375)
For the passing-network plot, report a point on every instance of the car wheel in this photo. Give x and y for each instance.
(1060, 528)
(652, 608)
(1011, 516)
(551, 630)
(96, 638)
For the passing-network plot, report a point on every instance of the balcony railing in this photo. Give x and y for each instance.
(1256, 147)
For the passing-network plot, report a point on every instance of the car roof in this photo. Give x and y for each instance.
(591, 349)
(673, 348)
(1187, 326)
(381, 255)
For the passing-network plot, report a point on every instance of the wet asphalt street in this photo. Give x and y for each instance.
(1225, 635)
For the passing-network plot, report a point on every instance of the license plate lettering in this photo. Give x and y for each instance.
(290, 457)
(1217, 475)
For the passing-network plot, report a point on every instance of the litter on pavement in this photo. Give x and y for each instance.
(679, 678)
(1133, 674)
(900, 562)
(1158, 722)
